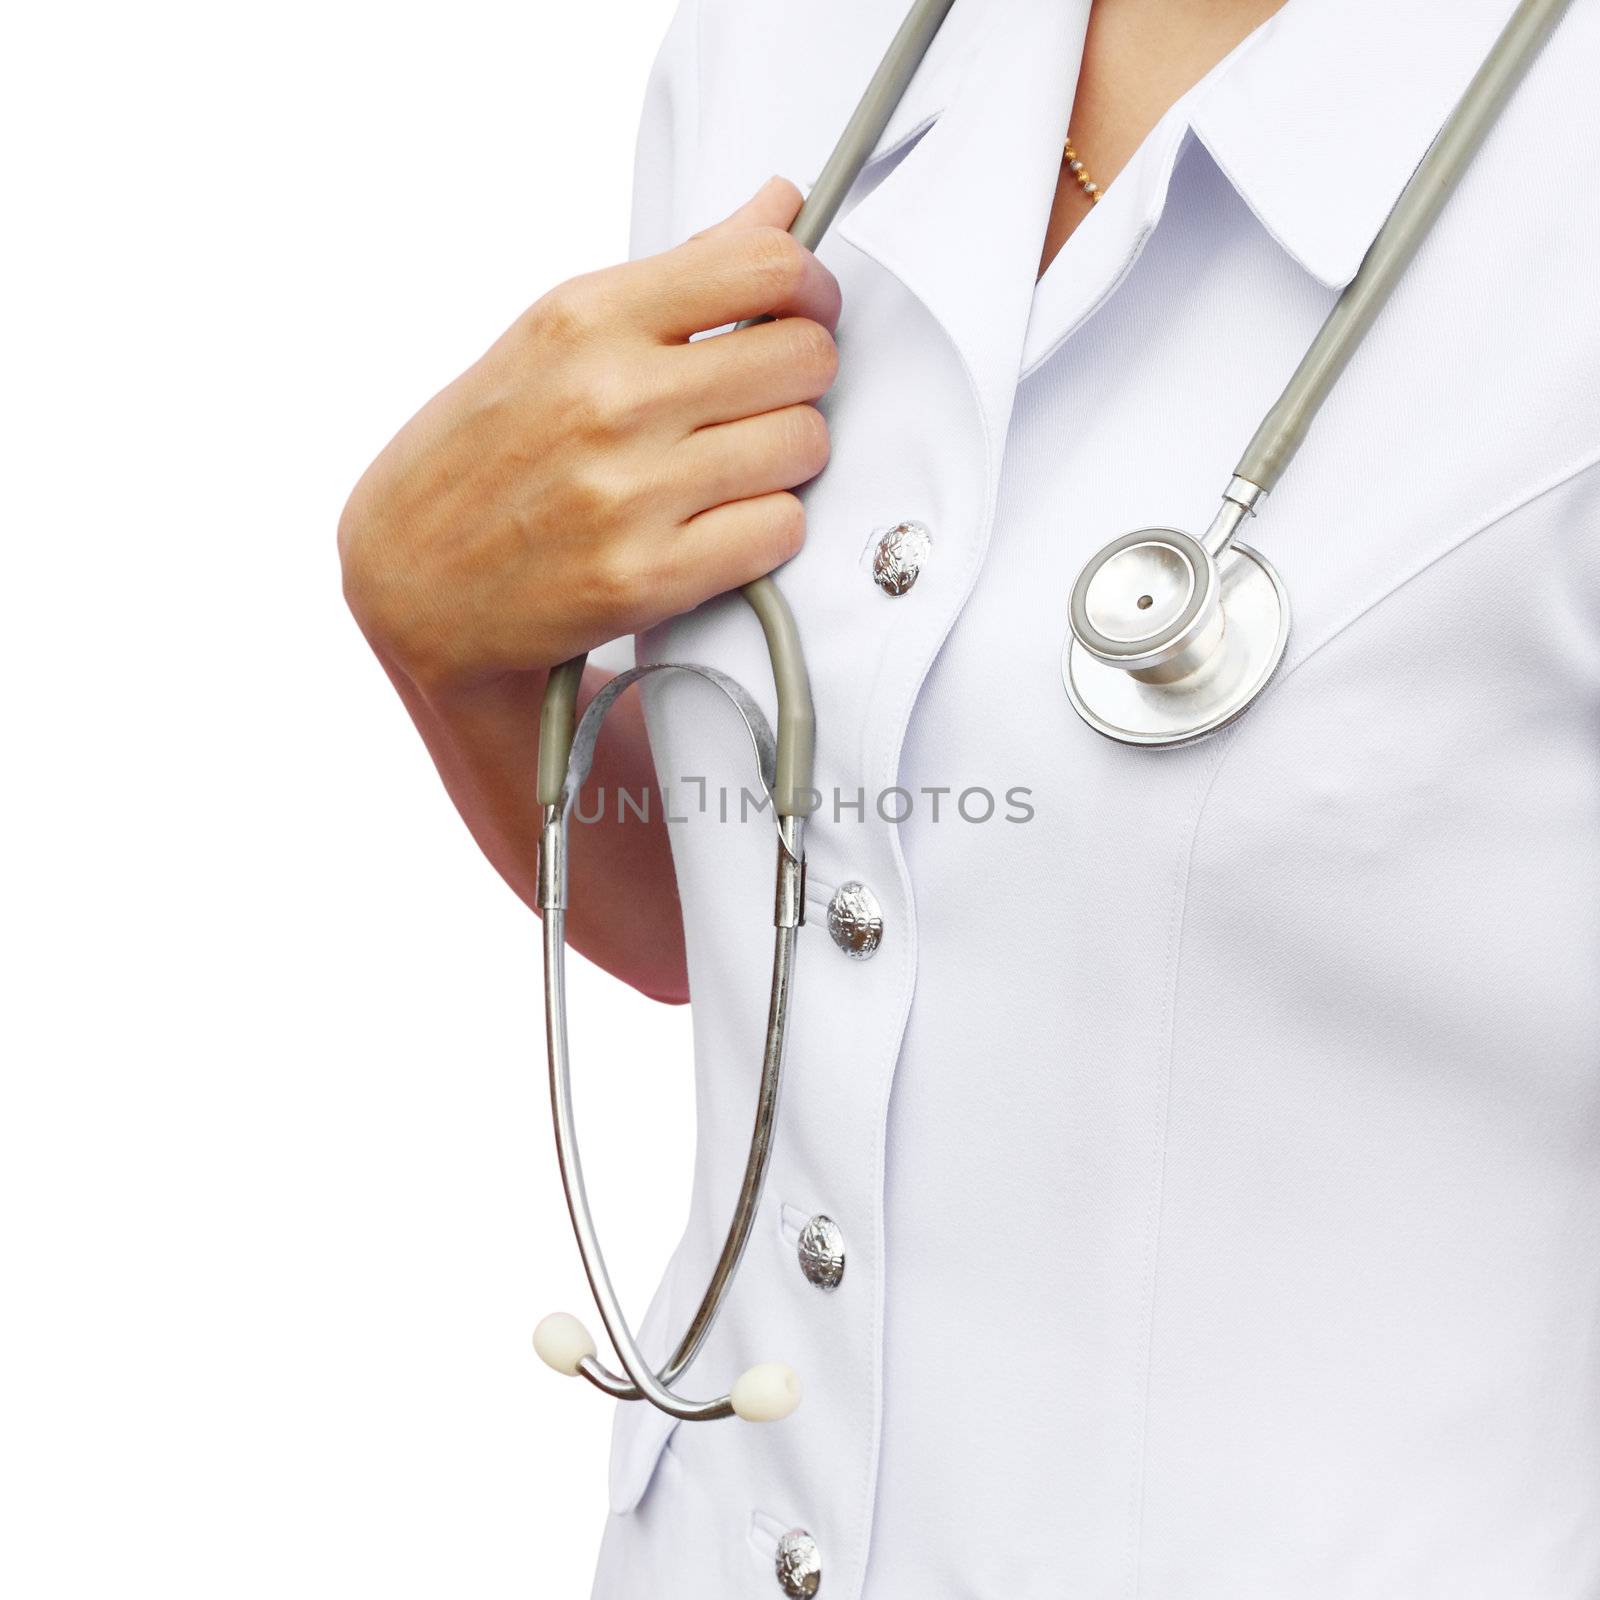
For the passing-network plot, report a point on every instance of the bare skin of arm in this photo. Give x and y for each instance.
(595, 473)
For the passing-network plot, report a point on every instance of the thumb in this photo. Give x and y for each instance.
(774, 205)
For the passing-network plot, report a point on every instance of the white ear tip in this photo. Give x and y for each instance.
(766, 1393)
(561, 1342)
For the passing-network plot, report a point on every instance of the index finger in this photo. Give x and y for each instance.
(719, 278)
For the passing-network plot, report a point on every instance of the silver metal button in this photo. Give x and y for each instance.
(855, 920)
(799, 1567)
(821, 1251)
(898, 556)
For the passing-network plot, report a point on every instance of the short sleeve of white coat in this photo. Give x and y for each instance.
(663, 213)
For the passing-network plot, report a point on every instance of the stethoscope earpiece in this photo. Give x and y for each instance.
(1173, 637)
(766, 1392)
(563, 1343)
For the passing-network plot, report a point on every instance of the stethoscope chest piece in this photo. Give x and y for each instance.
(1169, 643)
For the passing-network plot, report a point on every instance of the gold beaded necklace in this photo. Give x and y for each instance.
(1079, 172)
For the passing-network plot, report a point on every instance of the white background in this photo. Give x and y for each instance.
(279, 1203)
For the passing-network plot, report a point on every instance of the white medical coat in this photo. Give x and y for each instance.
(1216, 1150)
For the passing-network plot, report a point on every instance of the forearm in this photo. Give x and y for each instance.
(484, 743)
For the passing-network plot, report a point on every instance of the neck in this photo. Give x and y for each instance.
(1139, 57)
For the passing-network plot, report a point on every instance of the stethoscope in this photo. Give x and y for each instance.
(1171, 638)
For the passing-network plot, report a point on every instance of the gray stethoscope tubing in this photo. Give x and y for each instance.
(1171, 637)
(1284, 428)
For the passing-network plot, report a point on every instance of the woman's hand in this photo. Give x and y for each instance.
(595, 472)
(592, 474)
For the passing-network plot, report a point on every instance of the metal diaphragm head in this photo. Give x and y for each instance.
(1169, 643)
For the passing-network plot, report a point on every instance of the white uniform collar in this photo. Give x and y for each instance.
(1320, 118)
(960, 216)
(1317, 120)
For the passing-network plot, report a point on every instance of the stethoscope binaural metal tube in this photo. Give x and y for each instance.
(643, 1381)
(1171, 638)
(640, 1382)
